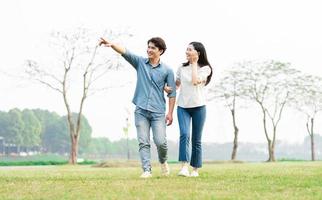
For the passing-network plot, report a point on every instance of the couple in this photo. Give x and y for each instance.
(153, 78)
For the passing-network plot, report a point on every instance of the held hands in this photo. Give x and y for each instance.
(104, 42)
(167, 89)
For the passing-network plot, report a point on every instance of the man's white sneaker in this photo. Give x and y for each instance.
(165, 170)
(184, 172)
(194, 174)
(146, 174)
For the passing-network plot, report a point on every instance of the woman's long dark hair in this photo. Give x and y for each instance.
(203, 60)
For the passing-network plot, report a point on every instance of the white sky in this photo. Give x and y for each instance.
(231, 30)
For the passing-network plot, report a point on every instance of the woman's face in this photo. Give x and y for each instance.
(191, 52)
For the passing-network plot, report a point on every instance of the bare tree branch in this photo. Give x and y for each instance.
(81, 62)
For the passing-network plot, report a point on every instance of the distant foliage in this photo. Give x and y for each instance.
(40, 128)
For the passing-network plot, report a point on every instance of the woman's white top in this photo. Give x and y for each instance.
(192, 95)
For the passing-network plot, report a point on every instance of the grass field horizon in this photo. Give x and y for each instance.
(279, 180)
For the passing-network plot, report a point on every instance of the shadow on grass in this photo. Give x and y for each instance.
(137, 163)
(119, 163)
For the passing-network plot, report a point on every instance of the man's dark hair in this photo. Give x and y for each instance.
(158, 42)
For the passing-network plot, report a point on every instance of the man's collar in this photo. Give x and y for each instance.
(147, 61)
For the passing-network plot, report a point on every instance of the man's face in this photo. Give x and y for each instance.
(153, 51)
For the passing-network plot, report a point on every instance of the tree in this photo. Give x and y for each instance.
(55, 137)
(308, 100)
(32, 129)
(3, 124)
(85, 134)
(99, 147)
(51, 127)
(15, 127)
(269, 84)
(54, 134)
(229, 89)
(79, 63)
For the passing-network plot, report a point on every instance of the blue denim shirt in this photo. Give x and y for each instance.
(149, 93)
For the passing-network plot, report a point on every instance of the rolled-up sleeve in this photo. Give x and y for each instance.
(131, 58)
(171, 82)
(203, 73)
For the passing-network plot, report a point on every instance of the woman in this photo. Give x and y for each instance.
(192, 77)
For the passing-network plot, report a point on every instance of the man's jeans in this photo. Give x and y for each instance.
(198, 116)
(144, 120)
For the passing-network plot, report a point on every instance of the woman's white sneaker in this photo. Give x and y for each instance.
(184, 172)
(194, 174)
(146, 174)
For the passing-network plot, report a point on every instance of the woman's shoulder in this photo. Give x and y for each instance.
(205, 68)
(179, 67)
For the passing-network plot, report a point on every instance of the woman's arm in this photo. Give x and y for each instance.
(178, 83)
(194, 64)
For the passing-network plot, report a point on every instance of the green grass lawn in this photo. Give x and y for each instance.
(281, 180)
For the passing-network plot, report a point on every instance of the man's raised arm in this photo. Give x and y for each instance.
(119, 49)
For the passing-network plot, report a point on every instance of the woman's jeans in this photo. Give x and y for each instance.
(144, 120)
(185, 115)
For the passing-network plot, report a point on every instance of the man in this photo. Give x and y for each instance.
(152, 75)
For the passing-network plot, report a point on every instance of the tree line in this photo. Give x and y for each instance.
(47, 132)
(40, 129)
(104, 149)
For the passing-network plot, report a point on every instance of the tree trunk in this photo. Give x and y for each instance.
(310, 130)
(74, 150)
(271, 151)
(312, 147)
(235, 144)
(234, 153)
(269, 141)
(312, 140)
